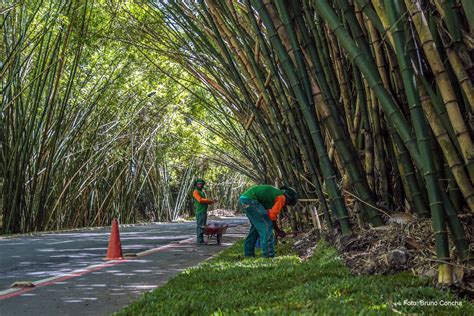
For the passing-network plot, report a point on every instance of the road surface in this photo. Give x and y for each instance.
(72, 278)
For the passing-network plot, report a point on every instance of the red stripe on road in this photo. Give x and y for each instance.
(16, 293)
(159, 249)
(73, 274)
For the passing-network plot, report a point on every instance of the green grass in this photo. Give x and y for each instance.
(231, 285)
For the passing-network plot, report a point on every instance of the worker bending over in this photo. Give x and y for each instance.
(262, 204)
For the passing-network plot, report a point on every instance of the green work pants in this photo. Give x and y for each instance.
(201, 220)
(260, 226)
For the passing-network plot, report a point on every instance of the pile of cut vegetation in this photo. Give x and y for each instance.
(221, 212)
(401, 245)
(388, 249)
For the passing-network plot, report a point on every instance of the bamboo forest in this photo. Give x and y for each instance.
(358, 114)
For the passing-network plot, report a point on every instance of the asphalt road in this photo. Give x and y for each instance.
(73, 279)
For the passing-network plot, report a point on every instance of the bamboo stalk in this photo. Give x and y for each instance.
(443, 82)
(423, 139)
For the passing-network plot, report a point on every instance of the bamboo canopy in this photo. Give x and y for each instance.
(82, 138)
(369, 101)
(373, 98)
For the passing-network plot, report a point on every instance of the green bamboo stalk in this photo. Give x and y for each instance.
(423, 137)
(455, 165)
(392, 112)
(316, 136)
(343, 145)
(292, 123)
(443, 81)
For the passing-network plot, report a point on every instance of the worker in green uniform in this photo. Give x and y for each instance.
(201, 202)
(262, 204)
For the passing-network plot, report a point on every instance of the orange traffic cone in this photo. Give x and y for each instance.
(114, 252)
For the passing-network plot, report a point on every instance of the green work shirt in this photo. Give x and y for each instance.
(200, 207)
(263, 193)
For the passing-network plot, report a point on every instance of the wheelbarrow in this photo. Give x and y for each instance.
(215, 230)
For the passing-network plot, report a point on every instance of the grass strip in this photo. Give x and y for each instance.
(231, 284)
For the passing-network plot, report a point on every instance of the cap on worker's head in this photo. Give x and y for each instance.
(291, 195)
(200, 181)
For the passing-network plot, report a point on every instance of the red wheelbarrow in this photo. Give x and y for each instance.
(215, 230)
